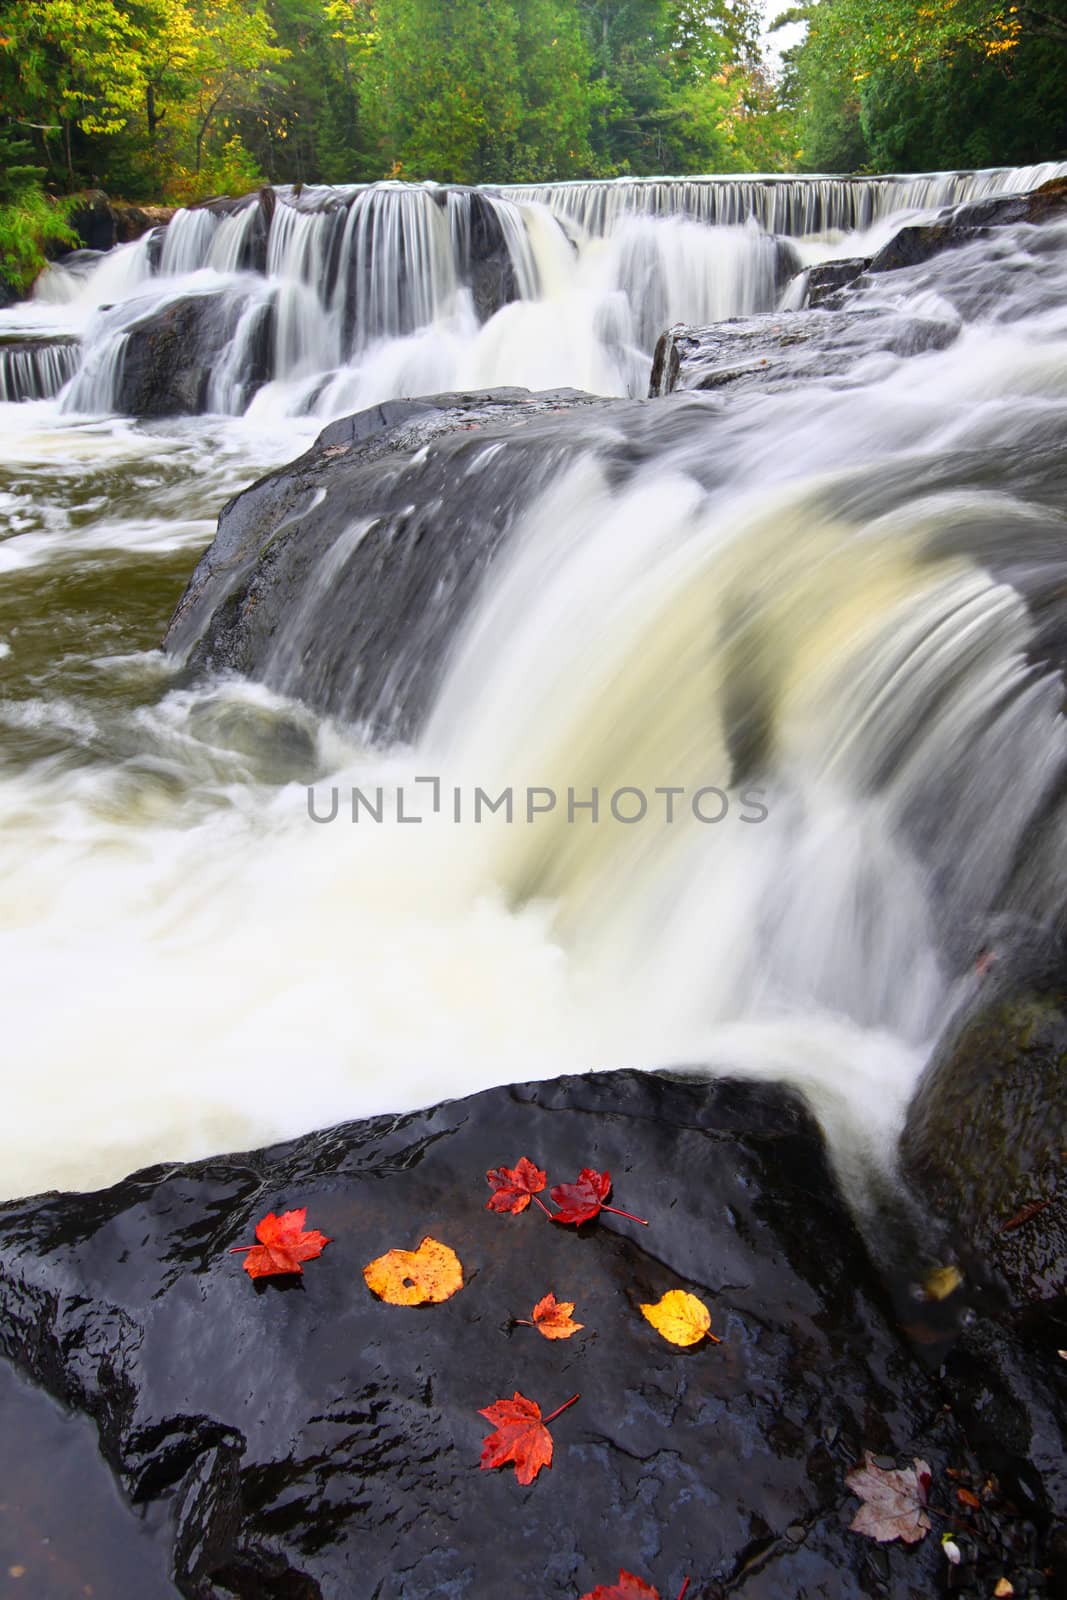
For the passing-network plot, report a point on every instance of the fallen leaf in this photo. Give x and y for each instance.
(553, 1318)
(894, 1502)
(584, 1199)
(521, 1436)
(1003, 1589)
(967, 1498)
(425, 1276)
(283, 1245)
(941, 1282)
(952, 1550)
(629, 1587)
(514, 1187)
(681, 1318)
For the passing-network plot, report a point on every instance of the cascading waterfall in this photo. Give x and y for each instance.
(370, 291)
(838, 605)
(36, 370)
(792, 206)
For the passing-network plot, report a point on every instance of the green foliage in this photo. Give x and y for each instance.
(177, 98)
(30, 223)
(919, 84)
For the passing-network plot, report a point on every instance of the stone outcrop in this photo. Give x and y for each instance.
(781, 349)
(312, 1441)
(342, 577)
(169, 356)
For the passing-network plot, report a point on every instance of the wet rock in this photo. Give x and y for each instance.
(101, 223)
(64, 1526)
(921, 241)
(826, 279)
(302, 1432)
(780, 349)
(488, 266)
(169, 357)
(341, 578)
(985, 1141)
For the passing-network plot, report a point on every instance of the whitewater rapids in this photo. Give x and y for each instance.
(191, 965)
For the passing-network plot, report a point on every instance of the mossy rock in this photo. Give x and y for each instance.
(985, 1142)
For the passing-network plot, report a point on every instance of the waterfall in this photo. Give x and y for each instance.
(832, 603)
(785, 205)
(36, 370)
(364, 292)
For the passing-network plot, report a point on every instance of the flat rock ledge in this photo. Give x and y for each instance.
(305, 1440)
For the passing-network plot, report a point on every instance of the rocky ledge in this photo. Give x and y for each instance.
(779, 349)
(342, 577)
(305, 1439)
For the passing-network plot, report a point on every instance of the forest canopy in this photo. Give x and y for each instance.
(179, 99)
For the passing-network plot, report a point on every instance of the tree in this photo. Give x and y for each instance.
(913, 84)
(442, 84)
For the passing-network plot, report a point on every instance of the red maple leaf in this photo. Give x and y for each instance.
(282, 1246)
(584, 1199)
(514, 1187)
(629, 1587)
(521, 1436)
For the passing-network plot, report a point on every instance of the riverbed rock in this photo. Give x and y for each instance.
(342, 577)
(829, 277)
(169, 356)
(958, 226)
(303, 1433)
(485, 260)
(102, 223)
(985, 1141)
(780, 349)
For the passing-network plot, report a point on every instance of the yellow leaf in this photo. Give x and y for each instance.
(415, 1277)
(941, 1282)
(681, 1318)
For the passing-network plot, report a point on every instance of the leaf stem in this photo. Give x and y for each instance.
(628, 1214)
(239, 1249)
(541, 1203)
(563, 1407)
(681, 1591)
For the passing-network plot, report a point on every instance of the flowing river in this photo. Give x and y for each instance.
(872, 571)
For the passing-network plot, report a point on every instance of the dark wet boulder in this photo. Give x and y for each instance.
(302, 1432)
(780, 349)
(170, 356)
(342, 577)
(921, 241)
(102, 223)
(36, 369)
(985, 1141)
(828, 277)
(486, 262)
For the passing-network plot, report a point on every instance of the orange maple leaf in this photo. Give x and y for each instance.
(553, 1318)
(283, 1245)
(629, 1587)
(521, 1436)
